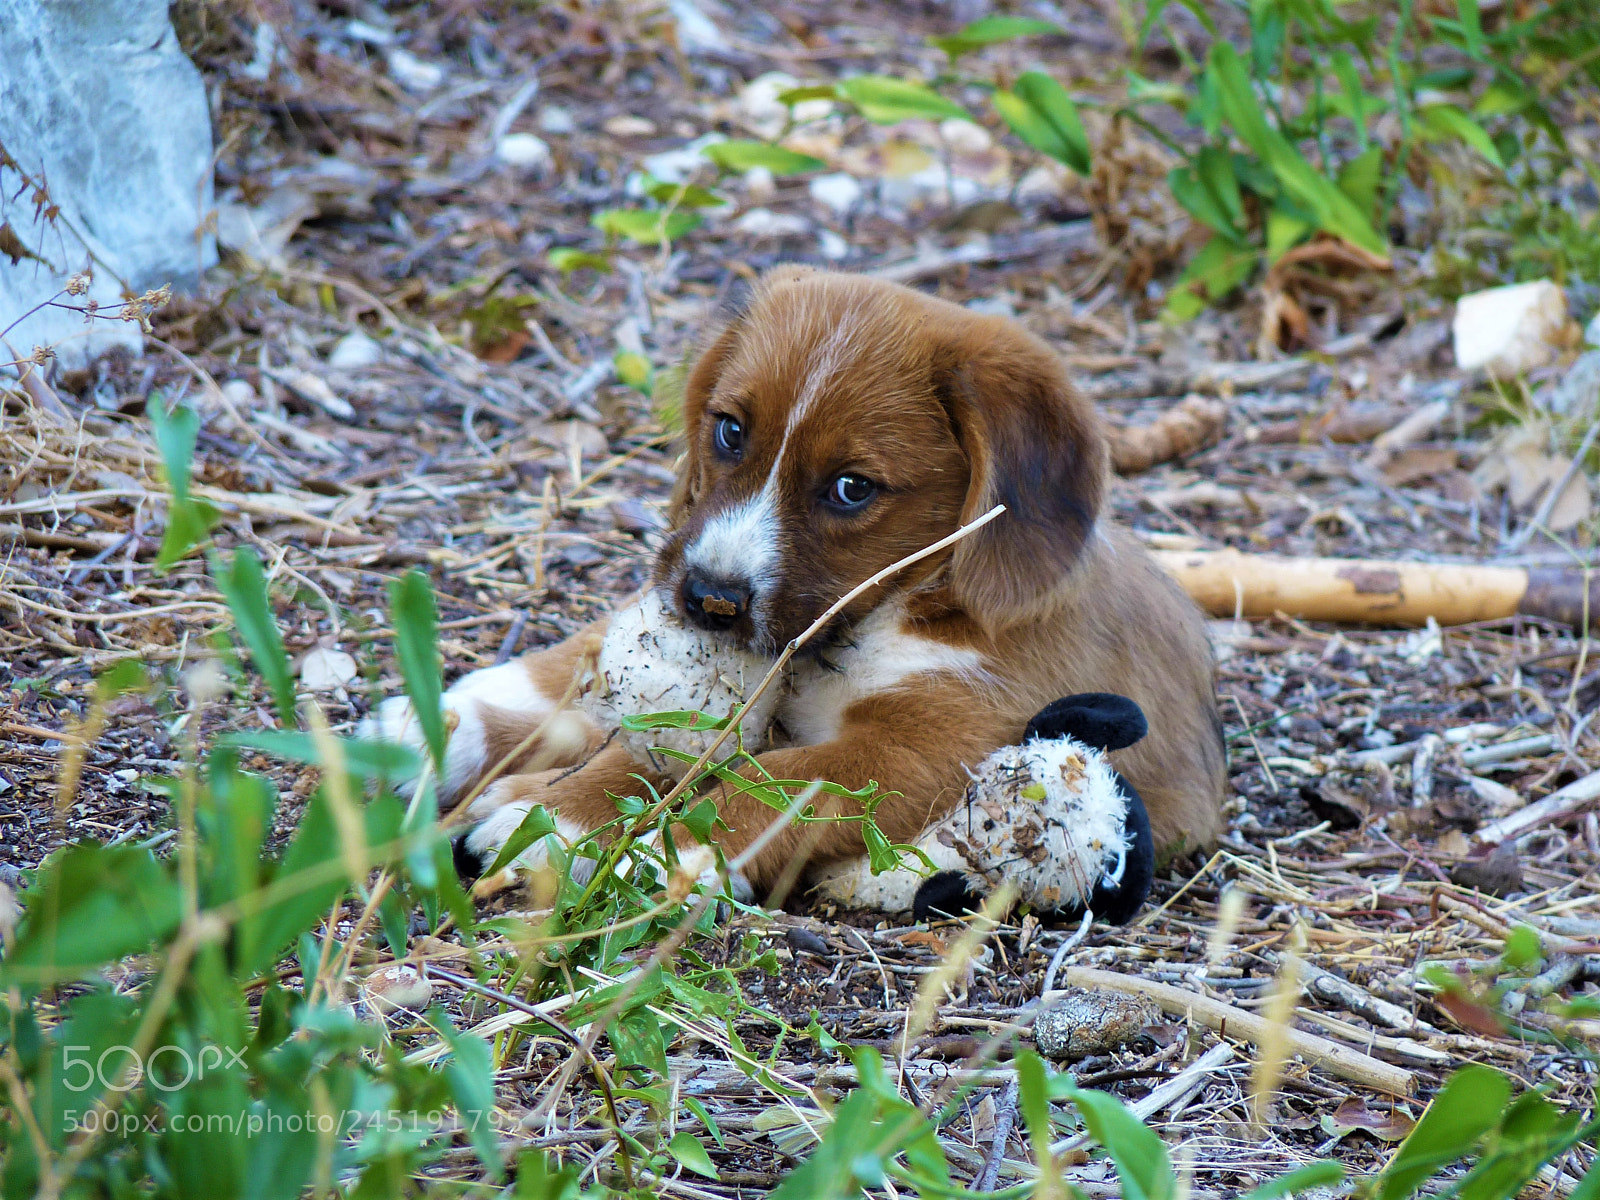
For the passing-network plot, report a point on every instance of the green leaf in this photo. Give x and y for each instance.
(1466, 1108)
(637, 1039)
(683, 195)
(1471, 26)
(814, 91)
(1313, 1175)
(885, 100)
(245, 587)
(700, 820)
(470, 1074)
(700, 1110)
(368, 760)
(743, 155)
(633, 370)
(1522, 948)
(90, 905)
(1212, 274)
(536, 1181)
(686, 1148)
(1446, 122)
(1361, 177)
(989, 30)
(176, 434)
(1040, 112)
(1140, 1155)
(676, 719)
(1286, 229)
(646, 227)
(416, 646)
(568, 259)
(1333, 210)
(537, 824)
(1033, 1098)
(188, 520)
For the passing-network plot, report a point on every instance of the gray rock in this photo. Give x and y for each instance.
(1578, 392)
(1082, 1022)
(98, 102)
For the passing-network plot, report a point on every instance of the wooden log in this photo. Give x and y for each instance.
(1376, 592)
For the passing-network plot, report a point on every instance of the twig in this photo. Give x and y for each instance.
(1554, 807)
(1005, 1115)
(1343, 1061)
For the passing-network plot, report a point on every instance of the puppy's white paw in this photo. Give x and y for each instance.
(507, 687)
(486, 839)
(395, 721)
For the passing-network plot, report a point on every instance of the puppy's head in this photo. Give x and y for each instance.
(839, 424)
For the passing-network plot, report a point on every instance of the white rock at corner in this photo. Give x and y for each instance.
(838, 192)
(526, 150)
(1511, 329)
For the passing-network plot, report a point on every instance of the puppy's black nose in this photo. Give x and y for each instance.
(714, 603)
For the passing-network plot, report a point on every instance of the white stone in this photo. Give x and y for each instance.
(682, 164)
(528, 151)
(324, 669)
(764, 223)
(554, 119)
(1512, 329)
(697, 33)
(760, 184)
(412, 73)
(837, 192)
(354, 351)
(397, 988)
(98, 101)
(831, 246)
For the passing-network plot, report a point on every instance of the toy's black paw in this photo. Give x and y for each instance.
(470, 865)
(943, 894)
(1115, 901)
(1103, 720)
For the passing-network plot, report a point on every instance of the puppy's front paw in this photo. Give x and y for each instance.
(395, 721)
(476, 852)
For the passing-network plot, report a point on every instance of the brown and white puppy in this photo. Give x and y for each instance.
(834, 427)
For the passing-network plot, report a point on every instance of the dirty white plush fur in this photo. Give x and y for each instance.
(652, 662)
(1054, 849)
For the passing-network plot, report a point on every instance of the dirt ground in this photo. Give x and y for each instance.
(402, 379)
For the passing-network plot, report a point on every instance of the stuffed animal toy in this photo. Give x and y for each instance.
(1052, 816)
(651, 662)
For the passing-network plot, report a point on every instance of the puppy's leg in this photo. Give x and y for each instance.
(496, 710)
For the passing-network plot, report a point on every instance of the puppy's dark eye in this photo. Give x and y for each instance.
(728, 437)
(851, 491)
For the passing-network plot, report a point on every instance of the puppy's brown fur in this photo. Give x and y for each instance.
(949, 413)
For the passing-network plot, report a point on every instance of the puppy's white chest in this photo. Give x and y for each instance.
(880, 657)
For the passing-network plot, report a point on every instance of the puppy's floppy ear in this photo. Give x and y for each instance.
(1035, 444)
(701, 382)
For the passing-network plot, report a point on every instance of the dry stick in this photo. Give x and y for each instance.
(1556, 806)
(1340, 1060)
(1174, 1091)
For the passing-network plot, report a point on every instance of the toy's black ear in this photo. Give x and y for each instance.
(944, 894)
(470, 865)
(1116, 902)
(1103, 720)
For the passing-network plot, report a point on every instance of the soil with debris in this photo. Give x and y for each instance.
(395, 376)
